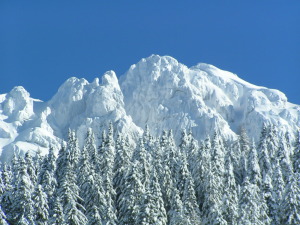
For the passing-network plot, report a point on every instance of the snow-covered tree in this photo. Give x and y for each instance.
(252, 207)
(278, 190)
(190, 206)
(175, 214)
(58, 216)
(290, 206)
(41, 209)
(131, 196)
(22, 206)
(296, 155)
(230, 197)
(253, 169)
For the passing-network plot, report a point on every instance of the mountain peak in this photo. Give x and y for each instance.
(157, 91)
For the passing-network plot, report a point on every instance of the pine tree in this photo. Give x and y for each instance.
(40, 206)
(32, 169)
(284, 159)
(175, 214)
(58, 214)
(131, 196)
(91, 148)
(212, 212)
(245, 147)
(296, 155)
(204, 162)
(94, 195)
(182, 173)
(230, 198)
(122, 163)
(290, 206)
(253, 170)
(7, 196)
(190, 206)
(73, 149)
(68, 192)
(278, 189)
(94, 217)
(273, 143)
(142, 157)
(264, 159)
(22, 204)
(47, 176)
(253, 209)
(61, 164)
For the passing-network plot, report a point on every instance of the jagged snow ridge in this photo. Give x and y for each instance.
(167, 94)
(158, 91)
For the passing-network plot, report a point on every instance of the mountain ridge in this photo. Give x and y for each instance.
(158, 91)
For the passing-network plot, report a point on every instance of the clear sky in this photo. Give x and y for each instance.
(42, 43)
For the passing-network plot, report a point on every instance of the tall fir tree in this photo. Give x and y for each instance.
(22, 205)
(290, 206)
(253, 169)
(41, 209)
(296, 155)
(230, 197)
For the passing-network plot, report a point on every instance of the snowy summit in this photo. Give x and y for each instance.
(157, 91)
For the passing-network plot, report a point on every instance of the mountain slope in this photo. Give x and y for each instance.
(158, 91)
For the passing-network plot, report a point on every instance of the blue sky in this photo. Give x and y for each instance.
(42, 43)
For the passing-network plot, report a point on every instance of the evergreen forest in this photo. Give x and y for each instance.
(154, 180)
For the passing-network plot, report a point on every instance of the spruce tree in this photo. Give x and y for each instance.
(252, 208)
(41, 209)
(58, 217)
(175, 214)
(277, 193)
(230, 197)
(190, 206)
(296, 155)
(253, 169)
(22, 204)
(290, 206)
(131, 196)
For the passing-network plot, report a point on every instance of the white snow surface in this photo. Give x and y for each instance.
(158, 91)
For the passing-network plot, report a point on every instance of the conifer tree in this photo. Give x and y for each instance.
(122, 163)
(264, 159)
(175, 214)
(296, 155)
(190, 206)
(58, 216)
(41, 209)
(204, 162)
(131, 196)
(253, 170)
(230, 198)
(68, 192)
(278, 190)
(47, 177)
(284, 159)
(22, 204)
(290, 206)
(91, 148)
(94, 217)
(253, 209)
(245, 147)
(142, 157)
(32, 169)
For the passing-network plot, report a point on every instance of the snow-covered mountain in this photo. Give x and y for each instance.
(158, 91)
